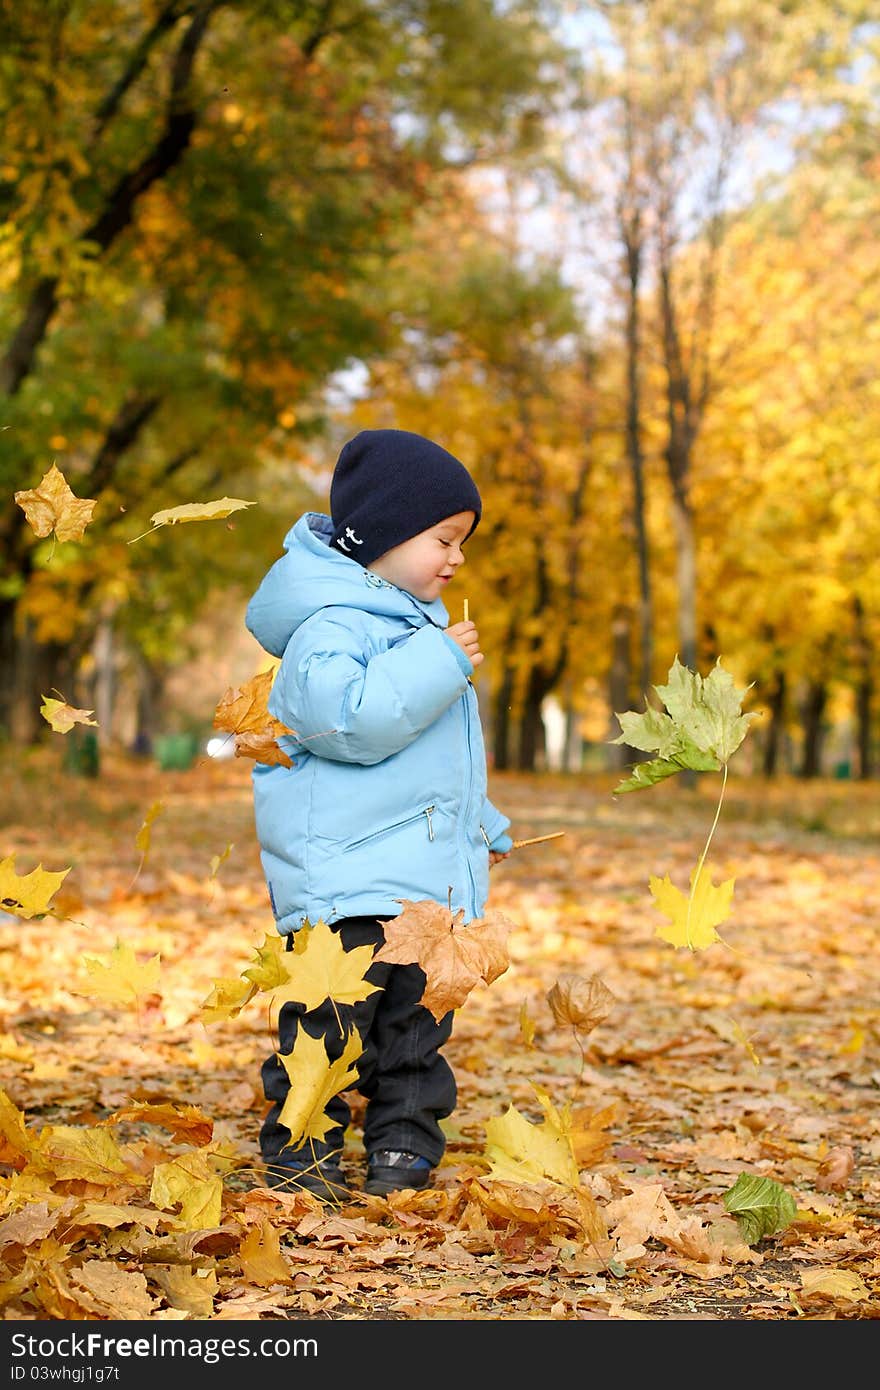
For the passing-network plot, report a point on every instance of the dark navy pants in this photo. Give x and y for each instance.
(407, 1084)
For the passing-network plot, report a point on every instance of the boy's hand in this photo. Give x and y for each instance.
(465, 635)
(496, 854)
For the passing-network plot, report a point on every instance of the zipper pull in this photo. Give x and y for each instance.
(485, 836)
(428, 811)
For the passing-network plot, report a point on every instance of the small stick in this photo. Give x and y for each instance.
(536, 839)
(466, 610)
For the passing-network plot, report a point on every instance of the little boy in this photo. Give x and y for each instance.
(386, 798)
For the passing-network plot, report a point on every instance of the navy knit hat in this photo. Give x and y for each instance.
(389, 485)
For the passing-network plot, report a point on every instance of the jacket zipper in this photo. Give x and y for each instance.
(386, 829)
(467, 806)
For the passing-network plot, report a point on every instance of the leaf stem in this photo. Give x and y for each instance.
(702, 859)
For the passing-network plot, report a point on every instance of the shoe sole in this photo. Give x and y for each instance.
(375, 1187)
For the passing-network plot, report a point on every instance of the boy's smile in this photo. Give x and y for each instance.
(426, 563)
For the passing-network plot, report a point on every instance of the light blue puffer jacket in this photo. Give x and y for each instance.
(386, 798)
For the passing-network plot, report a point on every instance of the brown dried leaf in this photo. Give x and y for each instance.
(52, 506)
(580, 1002)
(836, 1169)
(453, 957)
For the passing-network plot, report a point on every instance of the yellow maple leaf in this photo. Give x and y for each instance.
(261, 1259)
(52, 506)
(226, 1000)
(191, 1182)
(119, 979)
(325, 970)
(62, 716)
(195, 511)
(693, 919)
(314, 1081)
(268, 969)
(454, 957)
(28, 895)
(519, 1151)
(228, 997)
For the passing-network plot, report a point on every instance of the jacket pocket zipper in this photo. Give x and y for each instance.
(387, 829)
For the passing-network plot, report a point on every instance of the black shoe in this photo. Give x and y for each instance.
(301, 1173)
(389, 1170)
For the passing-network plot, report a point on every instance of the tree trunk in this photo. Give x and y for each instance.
(864, 690)
(812, 713)
(620, 755)
(531, 728)
(686, 575)
(501, 725)
(151, 681)
(776, 700)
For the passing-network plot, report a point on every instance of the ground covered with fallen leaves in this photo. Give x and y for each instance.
(130, 1184)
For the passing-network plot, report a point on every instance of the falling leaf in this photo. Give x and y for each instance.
(195, 511)
(761, 1207)
(268, 969)
(526, 1025)
(243, 711)
(314, 1081)
(704, 727)
(836, 1169)
(62, 716)
(693, 918)
(218, 859)
(582, 1003)
(325, 970)
(52, 506)
(142, 838)
(226, 1000)
(28, 895)
(261, 1259)
(453, 957)
(118, 978)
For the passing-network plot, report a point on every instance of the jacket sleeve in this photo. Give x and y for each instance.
(495, 823)
(353, 708)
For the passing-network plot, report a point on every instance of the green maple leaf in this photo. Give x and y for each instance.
(704, 726)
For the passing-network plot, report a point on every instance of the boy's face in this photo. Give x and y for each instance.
(426, 563)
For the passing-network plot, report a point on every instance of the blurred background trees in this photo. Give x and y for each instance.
(620, 257)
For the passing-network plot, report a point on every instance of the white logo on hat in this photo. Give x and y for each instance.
(351, 536)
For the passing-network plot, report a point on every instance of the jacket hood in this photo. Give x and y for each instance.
(310, 576)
